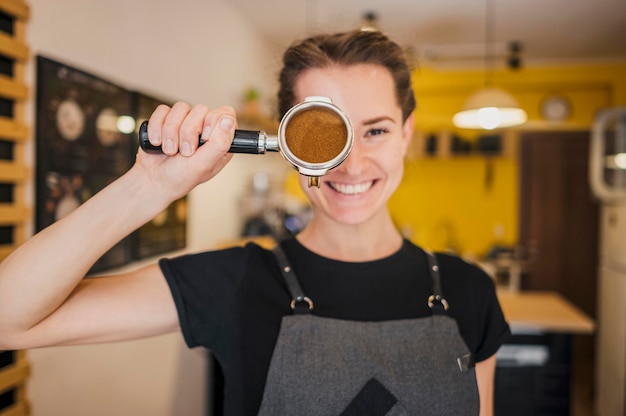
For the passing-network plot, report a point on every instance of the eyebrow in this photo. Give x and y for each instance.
(377, 120)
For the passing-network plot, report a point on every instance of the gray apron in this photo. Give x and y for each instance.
(326, 366)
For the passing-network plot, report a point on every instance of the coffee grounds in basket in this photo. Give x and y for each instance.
(316, 135)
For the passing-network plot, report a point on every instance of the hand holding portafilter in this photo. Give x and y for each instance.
(313, 136)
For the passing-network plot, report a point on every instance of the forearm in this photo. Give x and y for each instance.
(485, 375)
(37, 277)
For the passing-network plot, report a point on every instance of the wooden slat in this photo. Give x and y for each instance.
(14, 375)
(13, 48)
(19, 67)
(5, 250)
(13, 172)
(19, 232)
(10, 88)
(12, 214)
(21, 405)
(16, 8)
(18, 409)
(13, 130)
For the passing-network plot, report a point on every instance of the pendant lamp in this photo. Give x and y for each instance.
(491, 107)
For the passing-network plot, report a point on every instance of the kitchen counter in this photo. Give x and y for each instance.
(544, 312)
(534, 368)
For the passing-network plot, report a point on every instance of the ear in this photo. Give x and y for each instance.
(407, 132)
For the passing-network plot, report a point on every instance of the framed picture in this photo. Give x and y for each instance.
(80, 148)
(86, 138)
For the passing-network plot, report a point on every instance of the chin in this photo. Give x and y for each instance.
(351, 216)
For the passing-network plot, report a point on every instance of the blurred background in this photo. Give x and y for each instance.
(520, 201)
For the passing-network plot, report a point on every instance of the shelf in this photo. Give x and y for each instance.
(446, 144)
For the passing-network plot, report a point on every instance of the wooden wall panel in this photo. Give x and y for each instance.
(14, 134)
(14, 93)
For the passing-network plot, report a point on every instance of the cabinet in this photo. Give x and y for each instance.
(533, 377)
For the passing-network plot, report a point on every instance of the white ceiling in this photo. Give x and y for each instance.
(550, 31)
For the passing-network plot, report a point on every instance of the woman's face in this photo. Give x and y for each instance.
(359, 188)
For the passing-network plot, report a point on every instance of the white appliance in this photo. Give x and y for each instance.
(607, 175)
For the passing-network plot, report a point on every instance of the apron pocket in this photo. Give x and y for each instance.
(374, 400)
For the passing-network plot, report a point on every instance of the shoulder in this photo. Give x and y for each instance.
(217, 291)
(471, 294)
(458, 271)
(229, 256)
(467, 287)
(230, 262)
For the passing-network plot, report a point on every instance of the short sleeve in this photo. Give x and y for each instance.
(473, 301)
(203, 287)
(496, 330)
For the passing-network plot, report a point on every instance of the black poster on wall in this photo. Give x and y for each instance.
(80, 148)
(86, 138)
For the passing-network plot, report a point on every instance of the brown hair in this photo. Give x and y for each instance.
(349, 48)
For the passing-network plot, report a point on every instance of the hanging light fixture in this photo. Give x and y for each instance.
(491, 107)
(369, 22)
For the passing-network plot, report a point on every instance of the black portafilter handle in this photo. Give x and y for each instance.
(244, 141)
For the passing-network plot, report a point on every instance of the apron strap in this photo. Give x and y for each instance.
(439, 306)
(436, 301)
(300, 304)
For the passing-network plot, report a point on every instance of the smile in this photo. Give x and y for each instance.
(351, 189)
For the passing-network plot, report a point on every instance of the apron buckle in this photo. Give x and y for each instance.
(300, 300)
(437, 298)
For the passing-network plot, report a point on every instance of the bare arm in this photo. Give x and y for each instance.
(485, 375)
(106, 309)
(43, 297)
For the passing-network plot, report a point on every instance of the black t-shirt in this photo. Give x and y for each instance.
(231, 301)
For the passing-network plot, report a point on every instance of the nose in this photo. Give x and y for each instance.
(357, 160)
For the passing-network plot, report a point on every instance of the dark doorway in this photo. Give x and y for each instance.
(559, 232)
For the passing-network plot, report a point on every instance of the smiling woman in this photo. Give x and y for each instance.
(366, 314)
(375, 164)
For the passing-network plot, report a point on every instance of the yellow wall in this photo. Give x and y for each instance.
(590, 88)
(456, 202)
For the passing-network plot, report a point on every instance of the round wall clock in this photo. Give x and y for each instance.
(556, 108)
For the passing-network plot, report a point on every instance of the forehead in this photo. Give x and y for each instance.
(351, 87)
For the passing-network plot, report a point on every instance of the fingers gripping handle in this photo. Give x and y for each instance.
(244, 141)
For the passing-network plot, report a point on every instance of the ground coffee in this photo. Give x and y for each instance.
(316, 135)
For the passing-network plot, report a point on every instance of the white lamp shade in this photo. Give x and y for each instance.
(488, 109)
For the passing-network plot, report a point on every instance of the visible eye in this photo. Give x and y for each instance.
(376, 131)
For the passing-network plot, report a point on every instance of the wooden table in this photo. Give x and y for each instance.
(543, 311)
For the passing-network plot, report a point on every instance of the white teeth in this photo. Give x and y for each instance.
(351, 189)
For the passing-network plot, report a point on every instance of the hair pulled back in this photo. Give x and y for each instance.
(347, 48)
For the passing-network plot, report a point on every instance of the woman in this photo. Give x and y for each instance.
(346, 318)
